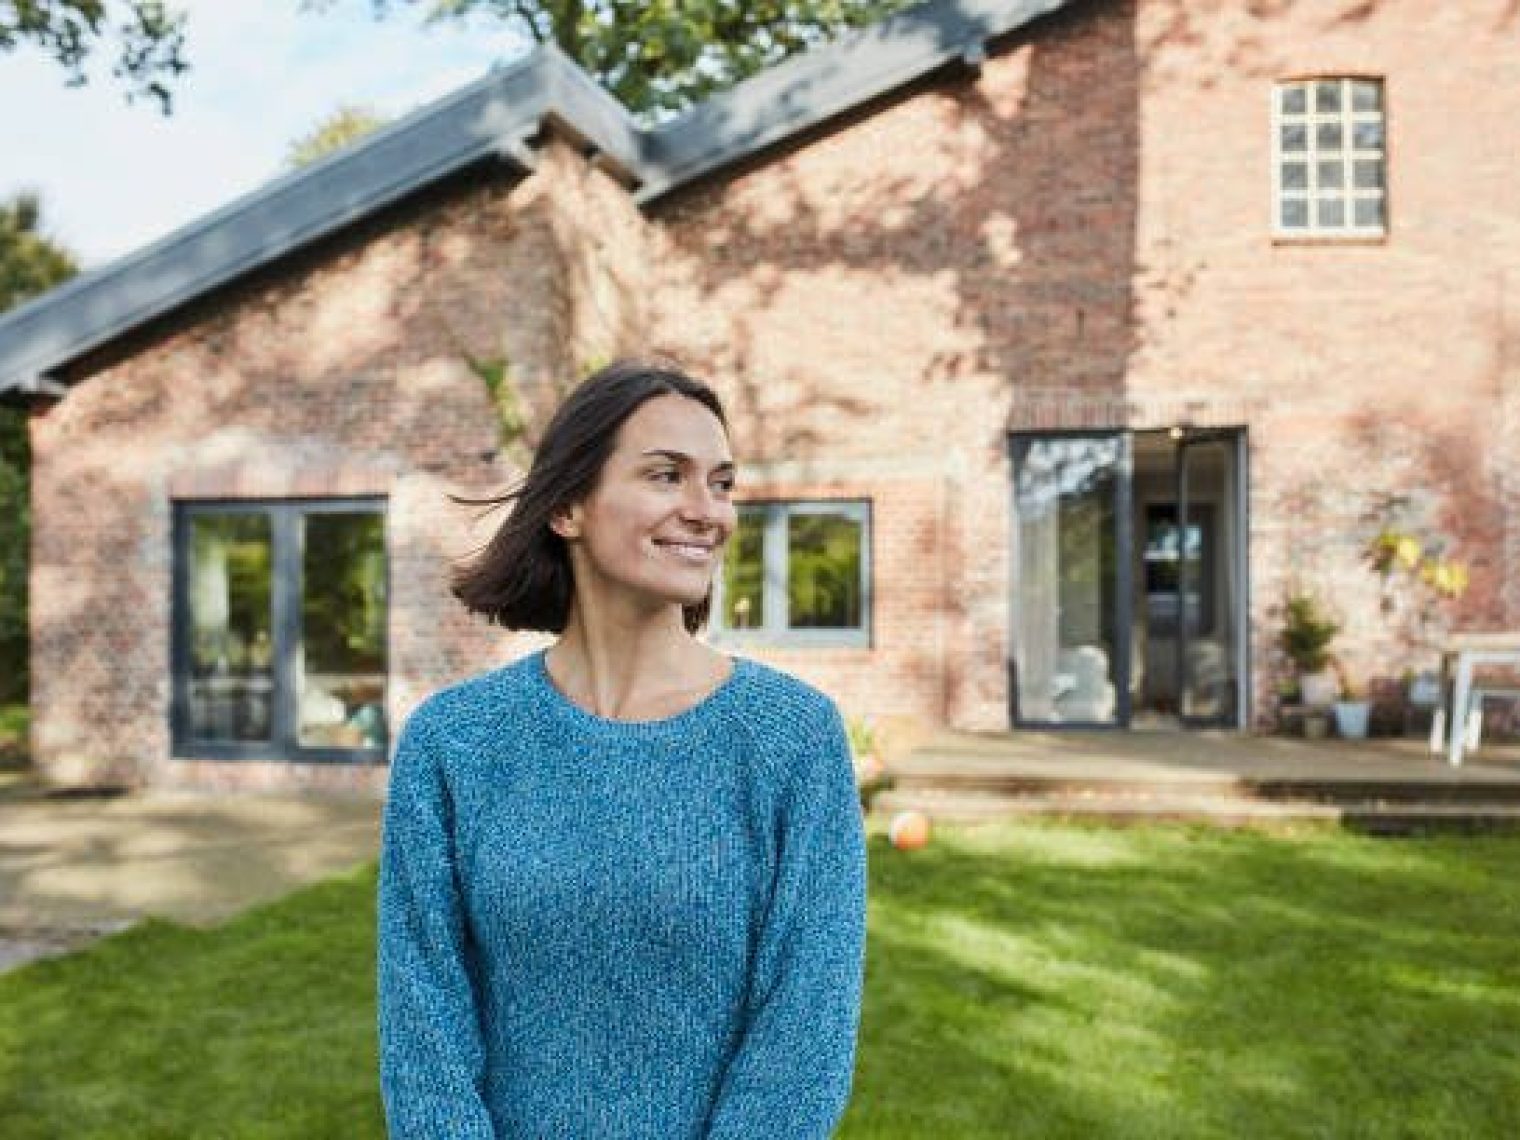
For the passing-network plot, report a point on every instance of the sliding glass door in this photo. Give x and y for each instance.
(1071, 529)
(280, 630)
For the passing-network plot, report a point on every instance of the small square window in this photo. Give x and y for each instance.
(1330, 158)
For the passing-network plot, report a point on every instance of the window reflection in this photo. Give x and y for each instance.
(231, 651)
(343, 607)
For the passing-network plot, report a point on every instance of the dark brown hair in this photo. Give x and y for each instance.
(521, 579)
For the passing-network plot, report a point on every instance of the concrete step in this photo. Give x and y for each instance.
(1456, 788)
(1224, 811)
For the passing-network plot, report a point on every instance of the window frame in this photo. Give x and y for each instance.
(286, 591)
(775, 563)
(1348, 154)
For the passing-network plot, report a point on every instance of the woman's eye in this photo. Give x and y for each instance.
(724, 485)
(666, 475)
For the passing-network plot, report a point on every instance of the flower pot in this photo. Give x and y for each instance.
(1316, 724)
(1319, 690)
(1351, 719)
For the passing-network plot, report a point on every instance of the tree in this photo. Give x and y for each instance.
(660, 56)
(29, 264)
(345, 125)
(148, 36)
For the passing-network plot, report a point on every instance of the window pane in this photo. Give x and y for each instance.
(1330, 212)
(1294, 139)
(1295, 176)
(1366, 95)
(744, 574)
(823, 571)
(1369, 212)
(1331, 174)
(343, 612)
(1367, 135)
(1327, 95)
(1367, 174)
(1295, 214)
(1327, 136)
(231, 652)
(1293, 100)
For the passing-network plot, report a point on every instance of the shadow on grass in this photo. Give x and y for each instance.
(1064, 981)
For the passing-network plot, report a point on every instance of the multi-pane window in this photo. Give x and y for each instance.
(1330, 158)
(280, 629)
(797, 572)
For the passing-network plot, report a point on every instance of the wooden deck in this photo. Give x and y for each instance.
(1393, 786)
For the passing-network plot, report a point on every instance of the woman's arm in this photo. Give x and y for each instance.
(791, 1074)
(431, 1058)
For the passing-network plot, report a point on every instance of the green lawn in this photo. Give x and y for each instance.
(1033, 980)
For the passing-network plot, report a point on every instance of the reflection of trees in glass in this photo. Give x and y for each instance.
(230, 580)
(744, 573)
(343, 600)
(823, 571)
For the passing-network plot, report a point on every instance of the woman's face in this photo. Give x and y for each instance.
(654, 526)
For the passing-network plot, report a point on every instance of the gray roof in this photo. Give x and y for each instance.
(495, 118)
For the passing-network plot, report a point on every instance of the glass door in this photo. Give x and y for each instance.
(1209, 571)
(1071, 580)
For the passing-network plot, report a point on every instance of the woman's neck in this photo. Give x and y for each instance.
(633, 670)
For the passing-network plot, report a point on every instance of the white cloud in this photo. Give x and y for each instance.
(115, 176)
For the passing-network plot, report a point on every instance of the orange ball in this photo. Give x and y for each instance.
(909, 830)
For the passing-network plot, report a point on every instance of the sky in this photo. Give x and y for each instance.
(114, 175)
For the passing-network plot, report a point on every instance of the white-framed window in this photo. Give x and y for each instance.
(797, 573)
(1329, 158)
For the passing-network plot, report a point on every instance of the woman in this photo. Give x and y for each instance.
(622, 880)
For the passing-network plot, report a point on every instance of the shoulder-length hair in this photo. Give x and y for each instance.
(521, 578)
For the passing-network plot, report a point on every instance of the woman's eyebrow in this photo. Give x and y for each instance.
(682, 457)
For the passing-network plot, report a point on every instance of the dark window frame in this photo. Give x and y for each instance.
(285, 515)
(775, 558)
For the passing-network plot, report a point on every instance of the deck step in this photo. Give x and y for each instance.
(1371, 816)
(1455, 789)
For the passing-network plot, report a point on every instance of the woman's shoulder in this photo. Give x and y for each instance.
(783, 701)
(454, 708)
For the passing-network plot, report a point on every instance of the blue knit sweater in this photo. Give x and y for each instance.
(596, 929)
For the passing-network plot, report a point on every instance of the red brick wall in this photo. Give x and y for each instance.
(1082, 237)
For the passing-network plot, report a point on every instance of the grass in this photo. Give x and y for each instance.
(1044, 980)
(14, 721)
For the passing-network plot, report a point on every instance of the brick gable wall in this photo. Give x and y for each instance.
(1078, 237)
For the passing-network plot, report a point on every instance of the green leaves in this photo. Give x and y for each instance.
(149, 39)
(661, 56)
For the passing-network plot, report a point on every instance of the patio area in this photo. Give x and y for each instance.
(1393, 785)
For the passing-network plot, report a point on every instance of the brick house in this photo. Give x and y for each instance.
(1060, 339)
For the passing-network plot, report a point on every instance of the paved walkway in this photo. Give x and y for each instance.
(72, 869)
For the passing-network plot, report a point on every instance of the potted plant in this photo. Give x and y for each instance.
(1306, 637)
(1352, 709)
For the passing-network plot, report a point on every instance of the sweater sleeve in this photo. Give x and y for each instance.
(431, 1057)
(790, 1076)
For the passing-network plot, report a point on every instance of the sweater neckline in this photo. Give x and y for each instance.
(586, 721)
